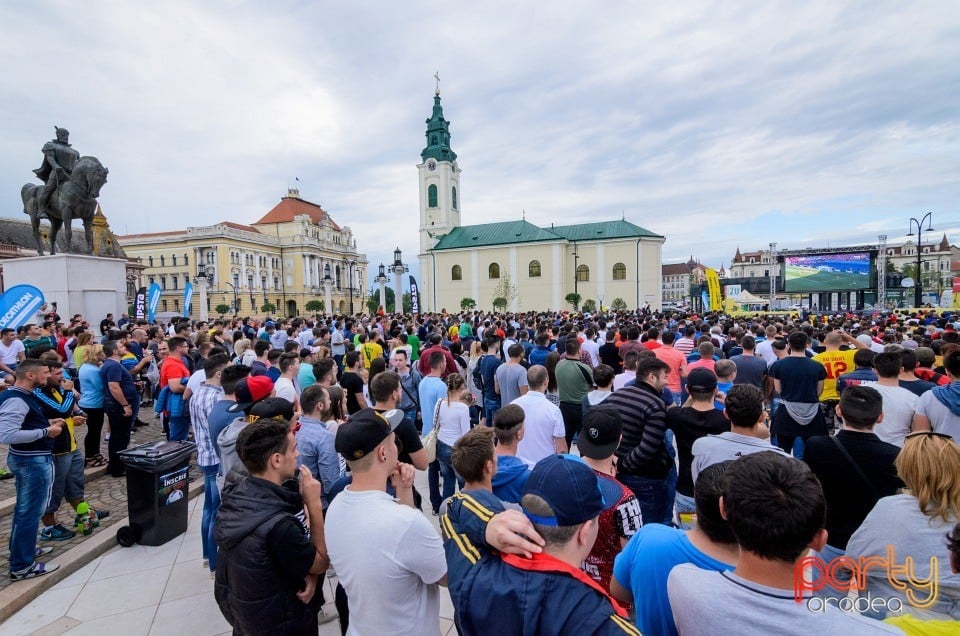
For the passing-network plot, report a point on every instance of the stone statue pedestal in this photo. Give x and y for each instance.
(80, 284)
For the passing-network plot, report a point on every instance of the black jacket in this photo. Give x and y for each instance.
(253, 595)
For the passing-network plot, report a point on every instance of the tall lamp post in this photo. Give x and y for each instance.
(928, 219)
(204, 278)
(576, 274)
(327, 283)
(236, 298)
(350, 266)
(399, 269)
(773, 275)
(382, 282)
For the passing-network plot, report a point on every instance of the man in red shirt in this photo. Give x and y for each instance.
(653, 336)
(675, 360)
(621, 517)
(632, 343)
(173, 375)
(423, 366)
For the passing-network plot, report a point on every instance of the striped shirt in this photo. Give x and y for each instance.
(642, 451)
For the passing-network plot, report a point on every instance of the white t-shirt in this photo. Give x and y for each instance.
(454, 421)
(620, 380)
(389, 559)
(593, 348)
(285, 389)
(899, 405)
(198, 378)
(541, 424)
(942, 419)
(8, 355)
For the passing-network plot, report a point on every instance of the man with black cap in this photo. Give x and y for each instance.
(563, 498)
(622, 517)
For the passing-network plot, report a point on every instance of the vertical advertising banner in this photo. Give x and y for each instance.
(187, 298)
(140, 304)
(713, 288)
(414, 296)
(153, 301)
(18, 305)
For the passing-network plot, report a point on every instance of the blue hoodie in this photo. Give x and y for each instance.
(511, 474)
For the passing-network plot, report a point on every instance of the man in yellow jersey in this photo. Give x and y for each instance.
(837, 362)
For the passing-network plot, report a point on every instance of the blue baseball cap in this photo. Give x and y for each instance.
(569, 487)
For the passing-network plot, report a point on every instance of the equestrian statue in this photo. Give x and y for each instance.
(71, 185)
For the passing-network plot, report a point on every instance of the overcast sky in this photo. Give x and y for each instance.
(717, 125)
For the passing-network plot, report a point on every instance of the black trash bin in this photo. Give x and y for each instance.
(157, 482)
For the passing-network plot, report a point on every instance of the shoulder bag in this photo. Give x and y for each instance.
(429, 441)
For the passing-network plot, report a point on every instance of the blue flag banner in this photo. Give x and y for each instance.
(414, 296)
(187, 298)
(18, 305)
(153, 301)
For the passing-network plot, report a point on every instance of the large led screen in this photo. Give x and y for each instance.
(827, 272)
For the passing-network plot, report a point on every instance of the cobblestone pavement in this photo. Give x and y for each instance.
(107, 493)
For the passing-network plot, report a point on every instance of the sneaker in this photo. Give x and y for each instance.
(37, 569)
(5, 474)
(56, 533)
(42, 551)
(206, 564)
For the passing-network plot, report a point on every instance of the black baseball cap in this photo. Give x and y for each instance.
(701, 380)
(600, 433)
(364, 431)
(272, 407)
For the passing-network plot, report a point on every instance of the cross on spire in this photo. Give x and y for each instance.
(436, 76)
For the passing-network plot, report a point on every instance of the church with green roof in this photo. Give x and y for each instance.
(531, 267)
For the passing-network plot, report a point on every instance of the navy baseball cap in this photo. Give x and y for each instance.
(569, 487)
(364, 431)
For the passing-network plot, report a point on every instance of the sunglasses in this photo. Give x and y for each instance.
(929, 434)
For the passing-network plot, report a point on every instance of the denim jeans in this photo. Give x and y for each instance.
(450, 476)
(490, 408)
(34, 479)
(179, 428)
(211, 503)
(653, 496)
(433, 482)
(410, 415)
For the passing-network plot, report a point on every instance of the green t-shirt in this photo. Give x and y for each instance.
(571, 383)
(414, 343)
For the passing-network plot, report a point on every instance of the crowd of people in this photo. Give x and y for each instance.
(624, 472)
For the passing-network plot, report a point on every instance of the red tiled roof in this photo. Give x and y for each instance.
(290, 207)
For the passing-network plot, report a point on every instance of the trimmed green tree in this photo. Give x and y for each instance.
(574, 299)
(618, 304)
(268, 308)
(222, 309)
(589, 305)
(314, 305)
(499, 303)
(467, 304)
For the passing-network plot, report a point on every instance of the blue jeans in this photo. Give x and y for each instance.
(433, 482)
(410, 415)
(34, 479)
(211, 503)
(653, 496)
(179, 428)
(490, 408)
(450, 476)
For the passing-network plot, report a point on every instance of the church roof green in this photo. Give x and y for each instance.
(510, 232)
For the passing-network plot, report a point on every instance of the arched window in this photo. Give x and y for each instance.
(493, 271)
(456, 273)
(454, 197)
(583, 273)
(619, 271)
(174, 257)
(534, 269)
(432, 196)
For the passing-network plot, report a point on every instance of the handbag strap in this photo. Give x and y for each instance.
(416, 399)
(856, 467)
(436, 414)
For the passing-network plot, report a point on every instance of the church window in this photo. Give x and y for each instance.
(456, 273)
(619, 271)
(432, 196)
(583, 273)
(534, 269)
(493, 271)
(454, 197)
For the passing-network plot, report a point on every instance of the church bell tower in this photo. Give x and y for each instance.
(439, 180)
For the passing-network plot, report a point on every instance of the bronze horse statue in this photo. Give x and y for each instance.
(75, 198)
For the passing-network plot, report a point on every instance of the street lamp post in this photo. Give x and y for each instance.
(398, 268)
(773, 276)
(382, 282)
(236, 298)
(576, 273)
(928, 219)
(204, 278)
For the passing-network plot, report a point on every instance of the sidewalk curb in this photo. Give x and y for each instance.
(18, 595)
(89, 474)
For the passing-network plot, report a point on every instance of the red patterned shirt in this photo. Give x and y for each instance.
(621, 519)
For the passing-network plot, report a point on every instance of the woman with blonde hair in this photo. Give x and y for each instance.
(912, 525)
(243, 352)
(91, 401)
(452, 422)
(84, 340)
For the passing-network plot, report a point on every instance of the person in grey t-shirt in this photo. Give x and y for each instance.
(774, 532)
(749, 432)
(511, 377)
